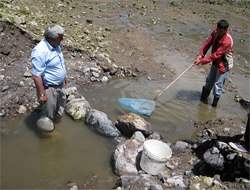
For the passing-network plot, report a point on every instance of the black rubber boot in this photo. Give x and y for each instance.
(215, 102)
(204, 94)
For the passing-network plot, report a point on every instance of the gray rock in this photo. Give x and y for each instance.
(101, 124)
(213, 158)
(155, 135)
(179, 146)
(125, 158)
(1, 77)
(93, 69)
(139, 136)
(71, 90)
(142, 181)
(5, 88)
(130, 123)
(232, 156)
(177, 181)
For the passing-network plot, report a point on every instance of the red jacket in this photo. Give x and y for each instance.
(222, 55)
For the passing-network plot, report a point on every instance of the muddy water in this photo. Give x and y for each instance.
(74, 153)
(177, 109)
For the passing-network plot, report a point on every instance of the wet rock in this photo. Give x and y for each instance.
(177, 181)
(139, 136)
(213, 157)
(101, 124)
(141, 181)
(104, 79)
(22, 109)
(231, 156)
(179, 146)
(130, 123)
(155, 135)
(77, 108)
(125, 158)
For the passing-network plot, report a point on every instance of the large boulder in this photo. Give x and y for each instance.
(77, 108)
(130, 123)
(100, 123)
(126, 157)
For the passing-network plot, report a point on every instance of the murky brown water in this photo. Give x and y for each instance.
(73, 152)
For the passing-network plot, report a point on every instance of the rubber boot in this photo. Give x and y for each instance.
(215, 102)
(204, 94)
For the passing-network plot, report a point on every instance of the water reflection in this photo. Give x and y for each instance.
(52, 159)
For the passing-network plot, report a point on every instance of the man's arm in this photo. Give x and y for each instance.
(40, 88)
(218, 54)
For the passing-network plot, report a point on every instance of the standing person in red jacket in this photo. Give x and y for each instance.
(222, 56)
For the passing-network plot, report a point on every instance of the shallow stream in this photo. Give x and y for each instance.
(74, 153)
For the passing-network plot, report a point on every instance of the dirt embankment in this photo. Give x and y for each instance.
(130, 50)
(94, 39)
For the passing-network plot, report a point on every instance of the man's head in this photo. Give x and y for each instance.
(222, 27)
(54, 34)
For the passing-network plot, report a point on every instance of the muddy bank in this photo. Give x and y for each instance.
(119, 38)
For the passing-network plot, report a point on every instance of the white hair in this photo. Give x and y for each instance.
(52, 31)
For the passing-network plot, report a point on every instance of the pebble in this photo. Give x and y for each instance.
(5, 88)
(104, 79)
(95, 74)
(93, 69)
(22, 109)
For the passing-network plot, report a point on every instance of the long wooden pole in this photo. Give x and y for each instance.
(172, 82)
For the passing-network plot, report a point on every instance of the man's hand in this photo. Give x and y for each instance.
(43, 99)
(197, 60)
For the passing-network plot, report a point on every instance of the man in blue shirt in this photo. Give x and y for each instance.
(49, 73)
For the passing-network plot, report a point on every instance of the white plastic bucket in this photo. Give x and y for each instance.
(154, 156)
